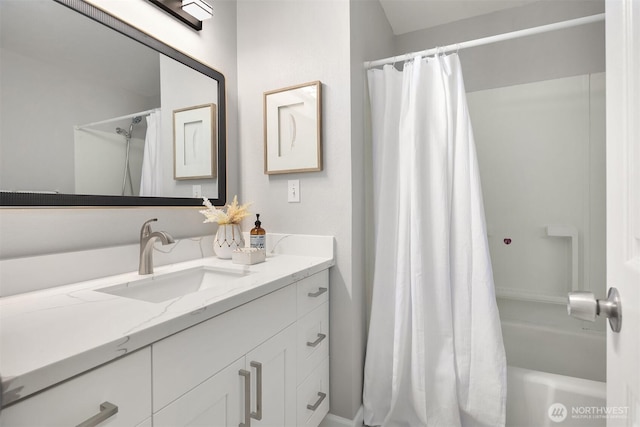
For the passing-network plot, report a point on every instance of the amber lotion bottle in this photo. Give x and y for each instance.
(258, 235)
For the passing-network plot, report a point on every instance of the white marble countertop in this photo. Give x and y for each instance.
(51, 335)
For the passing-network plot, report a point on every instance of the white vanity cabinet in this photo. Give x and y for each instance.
(125, 383)
(258, 390)
(248, 349)
(248, 365)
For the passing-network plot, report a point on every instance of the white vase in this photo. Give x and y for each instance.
(228, 239)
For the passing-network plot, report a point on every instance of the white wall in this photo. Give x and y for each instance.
(39, 231)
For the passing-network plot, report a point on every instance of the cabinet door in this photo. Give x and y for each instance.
(125, 383)
(273, 380)
(184, 360)
(217, 402)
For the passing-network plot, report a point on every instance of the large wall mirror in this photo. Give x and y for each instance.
(96, 113)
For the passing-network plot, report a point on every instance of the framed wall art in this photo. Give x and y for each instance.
(194, 142)
(293, 129)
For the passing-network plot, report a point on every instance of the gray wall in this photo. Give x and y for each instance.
(371, 37)
(280, 44)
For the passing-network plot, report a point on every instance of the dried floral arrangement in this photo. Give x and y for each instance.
(233, 215)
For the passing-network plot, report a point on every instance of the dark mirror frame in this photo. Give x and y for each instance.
(42, 199)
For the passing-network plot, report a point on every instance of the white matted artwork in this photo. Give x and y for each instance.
(194, 142)
(293, 129)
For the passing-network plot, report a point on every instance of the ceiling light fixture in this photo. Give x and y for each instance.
(190, 12)
(199, 9)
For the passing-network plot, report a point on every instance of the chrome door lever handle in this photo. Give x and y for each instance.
(584, 306)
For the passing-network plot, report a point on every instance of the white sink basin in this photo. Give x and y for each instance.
(167, 286)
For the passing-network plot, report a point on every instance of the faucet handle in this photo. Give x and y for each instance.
(146, 227)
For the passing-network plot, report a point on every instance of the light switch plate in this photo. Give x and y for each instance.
(293, 191)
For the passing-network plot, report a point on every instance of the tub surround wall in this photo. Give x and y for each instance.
(541, 150)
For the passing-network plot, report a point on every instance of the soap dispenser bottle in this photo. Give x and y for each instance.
(258, 235)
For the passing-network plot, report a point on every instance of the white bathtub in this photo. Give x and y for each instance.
(541, 348)
(534, 398)
(554, 374)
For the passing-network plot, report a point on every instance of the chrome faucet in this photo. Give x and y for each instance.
(147, 238)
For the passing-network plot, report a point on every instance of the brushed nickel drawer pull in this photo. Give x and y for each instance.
(317, 294)
(107, 410)
(258, 414)
(316, 342)
(247, 397)
(315, 405)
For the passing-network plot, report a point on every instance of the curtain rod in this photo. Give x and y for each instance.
(115, 119)
(488, 40)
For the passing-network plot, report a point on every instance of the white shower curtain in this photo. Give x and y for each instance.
(151, 180)
(435, 355)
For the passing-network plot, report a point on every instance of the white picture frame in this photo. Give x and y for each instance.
(195, 142)
(293, 129)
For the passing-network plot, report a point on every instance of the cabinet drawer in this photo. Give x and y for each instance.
(186, 359)
(312, 291)
(313, 397)
(125, 383)
(312, 340)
